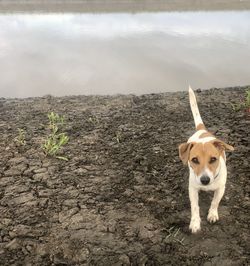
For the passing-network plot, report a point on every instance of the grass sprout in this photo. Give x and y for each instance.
(56, 139)
(173, 236)
(245, 104)
(21, 137)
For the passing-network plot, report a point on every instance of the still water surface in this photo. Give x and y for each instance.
(69, 54)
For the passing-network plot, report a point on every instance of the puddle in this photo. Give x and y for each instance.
(110, 53)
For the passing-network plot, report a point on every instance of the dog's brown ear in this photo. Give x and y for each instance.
(184, 150)
(222, 146)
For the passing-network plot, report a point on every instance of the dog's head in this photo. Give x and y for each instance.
(204, 158)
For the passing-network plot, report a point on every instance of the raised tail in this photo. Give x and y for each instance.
(195, 110)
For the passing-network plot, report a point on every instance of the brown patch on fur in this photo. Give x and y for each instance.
(222, 146)
(200, 127)
(206, 134)
(184, 151)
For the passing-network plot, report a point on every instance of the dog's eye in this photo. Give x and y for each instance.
(212, 160)
(195, 160)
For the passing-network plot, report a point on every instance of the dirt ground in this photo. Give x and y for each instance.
(122, 197)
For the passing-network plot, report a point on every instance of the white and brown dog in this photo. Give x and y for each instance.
(206, 159)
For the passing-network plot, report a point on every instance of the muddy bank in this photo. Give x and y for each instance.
(121, 199)
(119, 6)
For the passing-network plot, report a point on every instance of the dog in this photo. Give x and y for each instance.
(205, 156)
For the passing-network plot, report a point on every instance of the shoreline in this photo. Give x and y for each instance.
(119, 95)
(96, 6)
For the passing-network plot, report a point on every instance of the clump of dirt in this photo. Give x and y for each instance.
(122, 197)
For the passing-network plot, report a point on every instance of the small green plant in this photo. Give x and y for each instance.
(118, 136)
(244, 104)
(94, 120)
(56, 139)
(21, 138)
(173, 236)
(248, 98)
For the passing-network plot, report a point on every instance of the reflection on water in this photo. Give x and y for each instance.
(65, 54)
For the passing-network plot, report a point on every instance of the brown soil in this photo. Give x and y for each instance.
(121, 199)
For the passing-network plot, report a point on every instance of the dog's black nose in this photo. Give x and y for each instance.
(205, 180)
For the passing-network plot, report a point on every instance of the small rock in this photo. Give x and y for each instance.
(20, 230)
(6, 221)
(12, 172)
(128, 192)
(142, 260)
(6, 181)
(13, 244)
(40, 170)
(29, 248)
(58, 260)
(80, 171)
(16, 189)
(70, 203)
(65, 215)
(41, 177)
(23, 198)
(18, 160)
(52, 169)
(45, 193)
(43, 202)
(46, 164)
(223, 262)
(82, 255)
(111, 227)
(42, 250)
(124, 260)
(2, 245)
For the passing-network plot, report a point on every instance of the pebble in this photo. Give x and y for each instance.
(40, 170)
(41, 177)
(23, 198)
(13, 245)
(124, 260)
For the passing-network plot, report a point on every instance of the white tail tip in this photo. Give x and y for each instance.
(190, 89)
(194, 107)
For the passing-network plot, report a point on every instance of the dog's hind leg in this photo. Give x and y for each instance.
(213, 211)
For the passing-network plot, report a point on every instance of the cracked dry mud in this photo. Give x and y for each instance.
(122, 197)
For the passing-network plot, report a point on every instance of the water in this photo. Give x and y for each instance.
(110, 53)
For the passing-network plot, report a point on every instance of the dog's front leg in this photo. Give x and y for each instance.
(213, 211)
(195, 223)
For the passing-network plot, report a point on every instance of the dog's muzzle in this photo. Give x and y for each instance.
(205, 180)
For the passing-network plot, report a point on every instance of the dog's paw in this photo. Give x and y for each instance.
(195, 225)
(213, 216)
